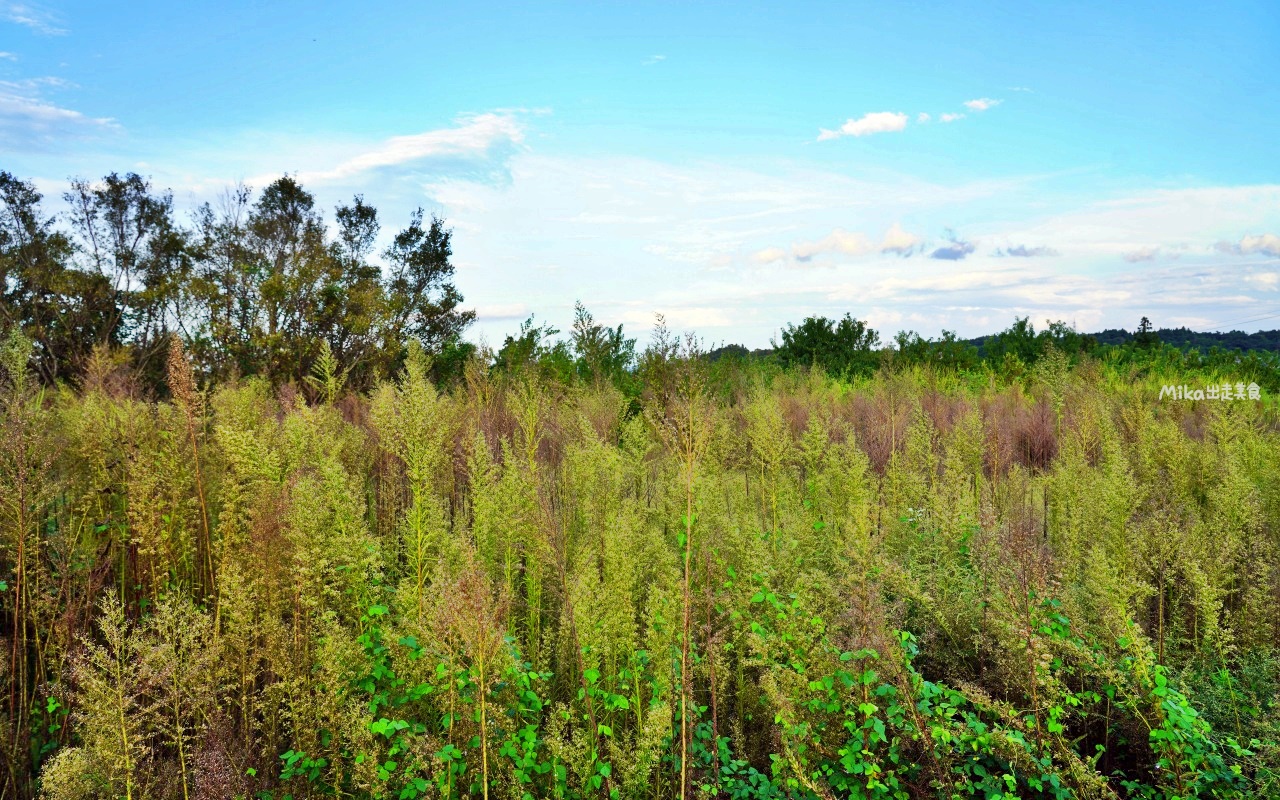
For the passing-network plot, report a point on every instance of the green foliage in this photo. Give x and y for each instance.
(844, 347)
(947, 352)
(533, 349)
(1022, 343)
(603, 354)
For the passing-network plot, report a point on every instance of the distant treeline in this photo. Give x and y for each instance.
(1181, 338)
(847, 347)
(1185, 339)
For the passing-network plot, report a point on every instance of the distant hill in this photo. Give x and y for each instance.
(737, 351)
(1185, 338)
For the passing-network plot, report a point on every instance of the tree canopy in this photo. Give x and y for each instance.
(253, 284)
(841, 348)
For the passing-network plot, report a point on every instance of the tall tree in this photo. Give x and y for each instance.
(62, 310)
(353, 306)
(255, 286)
(603, 353)
(424, 303)
(289, 253)
(1146, 335)
(226, 282)
(125, 233)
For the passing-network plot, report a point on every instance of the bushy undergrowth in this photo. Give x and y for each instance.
(718, 580)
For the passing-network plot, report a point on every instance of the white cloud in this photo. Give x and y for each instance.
(768, 255)
(708, 233)
(681, 318)
(841, 242)
(1266, 244)
(987, 297)
(922, 118)
(35, 85)
(1267, 280)
(950, 117)
(498, 312)
(934, 279)
(719, 240)
(651, 60)
(14, 108)
(8, 56)
(29, 119)
(898, 241)
(867, 124)
(1160, 219)
(34, 17)
(838, 241)
(981, 104)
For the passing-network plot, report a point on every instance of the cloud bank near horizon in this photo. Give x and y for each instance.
(737, 248)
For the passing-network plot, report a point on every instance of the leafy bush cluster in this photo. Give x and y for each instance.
(676, 577)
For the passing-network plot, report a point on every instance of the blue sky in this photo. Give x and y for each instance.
(733, 166)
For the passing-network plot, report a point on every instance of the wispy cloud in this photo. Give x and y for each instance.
(922, 117)
(682, 317)
(867, 124)
(34, 17)
(499, 312)
(1266, 244)
(1022, 251)
(1020, 89)
(1267, 280)
(950, 117)
(29, 118)
(34, 85)
(728, 236)
(981, 104)
(8, 56)
(472, 137)
(16, 109)
(651, 60)
(754, 215)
